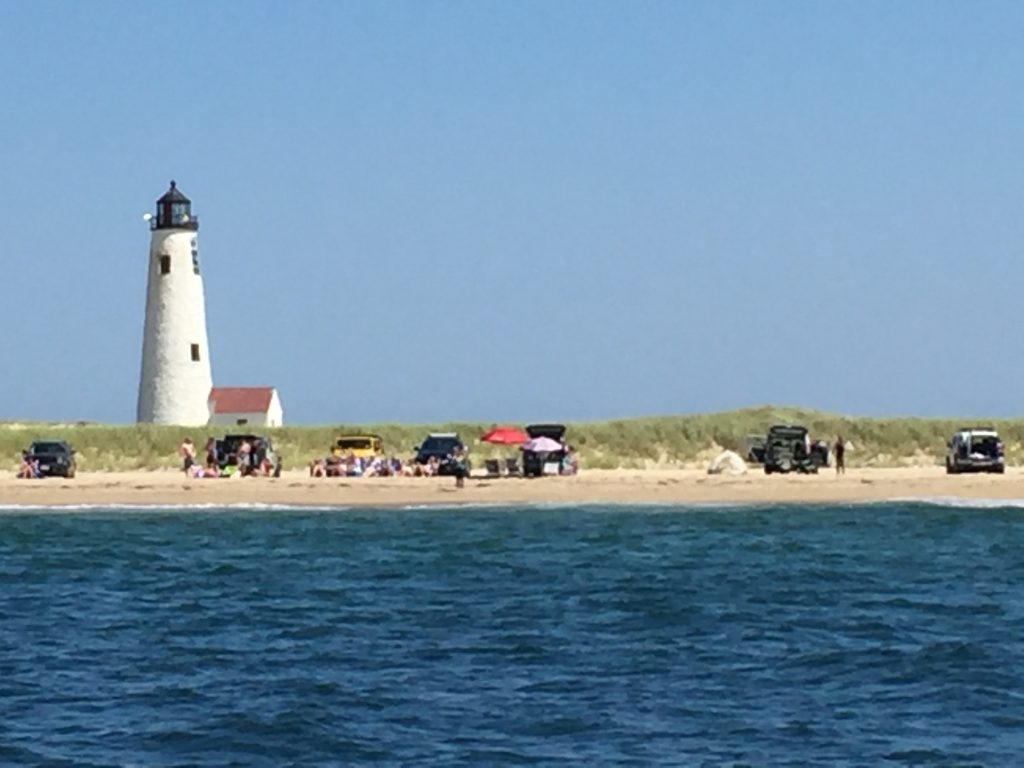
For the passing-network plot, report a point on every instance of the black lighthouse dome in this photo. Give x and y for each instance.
(174, 211)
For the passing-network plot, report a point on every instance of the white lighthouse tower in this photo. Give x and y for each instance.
(176, 379)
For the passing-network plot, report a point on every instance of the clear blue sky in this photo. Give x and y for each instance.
(416, 211)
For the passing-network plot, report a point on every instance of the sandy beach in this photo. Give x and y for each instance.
(596, 486)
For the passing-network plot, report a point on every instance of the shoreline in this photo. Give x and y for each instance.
(155, 489)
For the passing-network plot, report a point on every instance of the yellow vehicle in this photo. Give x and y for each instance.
(360, 446)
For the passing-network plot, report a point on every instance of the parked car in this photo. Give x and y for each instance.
(443, 446)
(977, 449)
(788, 449)
(55, 458)
(360, 446)
(534, 462)
(754, 448)
(262, 450)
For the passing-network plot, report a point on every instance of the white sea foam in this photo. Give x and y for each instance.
(461, 506)
(952, 502)
(958, 502)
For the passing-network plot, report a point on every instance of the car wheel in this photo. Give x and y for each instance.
(767, 469)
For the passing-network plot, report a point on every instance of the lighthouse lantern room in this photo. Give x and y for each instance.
(174, 211)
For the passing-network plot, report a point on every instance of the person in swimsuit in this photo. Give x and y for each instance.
(187, 451)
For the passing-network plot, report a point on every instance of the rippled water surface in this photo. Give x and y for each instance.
(889, 634)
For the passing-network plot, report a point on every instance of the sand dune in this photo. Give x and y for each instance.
(611, 486)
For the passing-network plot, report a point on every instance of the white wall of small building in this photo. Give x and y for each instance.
(275, 412)
(255, 419)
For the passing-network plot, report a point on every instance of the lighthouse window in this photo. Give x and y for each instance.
(195, 261)
(195, 353)
(165, 265)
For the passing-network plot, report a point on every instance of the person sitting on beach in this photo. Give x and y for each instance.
(29, 469)
(336, 466)
(569, 465)
(187, 451)
(317, 468)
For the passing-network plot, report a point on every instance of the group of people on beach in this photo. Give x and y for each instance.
(350, 465)
(248, 459)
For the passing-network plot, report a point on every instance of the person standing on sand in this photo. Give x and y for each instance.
(211, 453)
(242, 458)
(840, 454)
(187, 451)
(459, 467)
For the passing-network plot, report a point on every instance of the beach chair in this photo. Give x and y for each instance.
(512, 467)
(493, 467)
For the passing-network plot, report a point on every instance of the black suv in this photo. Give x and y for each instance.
(442, 446)
(788, 449)
(55, 458)
(534, 461)
(262, 448)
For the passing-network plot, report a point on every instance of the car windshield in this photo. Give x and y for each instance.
(439, 444)
(232, 443)
(355, 443)
(47, 448)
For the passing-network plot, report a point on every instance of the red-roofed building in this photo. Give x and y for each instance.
(245, 406)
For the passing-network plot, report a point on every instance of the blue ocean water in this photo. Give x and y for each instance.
(855, 635)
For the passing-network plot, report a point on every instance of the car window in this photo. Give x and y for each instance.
(440, 443)
(354, 443)
(47, 448)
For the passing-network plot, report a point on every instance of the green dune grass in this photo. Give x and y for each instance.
(665, 441)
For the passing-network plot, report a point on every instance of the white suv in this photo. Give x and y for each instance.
(975, 450)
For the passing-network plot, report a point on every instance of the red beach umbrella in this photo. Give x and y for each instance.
(505, 436)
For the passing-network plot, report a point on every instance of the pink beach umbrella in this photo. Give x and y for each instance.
(542, 445)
